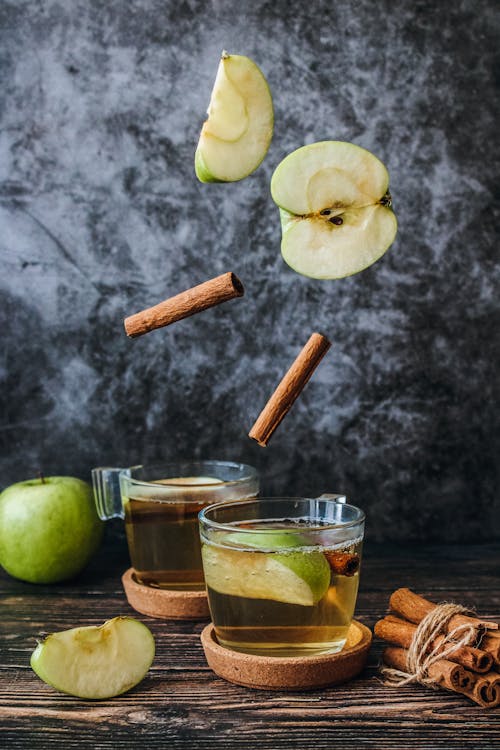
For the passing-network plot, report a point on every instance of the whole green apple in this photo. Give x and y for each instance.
(49, 528)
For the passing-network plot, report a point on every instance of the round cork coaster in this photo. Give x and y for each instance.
(289, 673)
(164, 603)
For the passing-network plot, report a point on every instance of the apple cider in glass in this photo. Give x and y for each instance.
(285, 583)
(163, 537)
(161, 517)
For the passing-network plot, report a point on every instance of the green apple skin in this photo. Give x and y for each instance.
(201, 169)
(49, 529)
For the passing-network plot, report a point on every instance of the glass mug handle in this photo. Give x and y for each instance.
(107, 495)
(337, 498)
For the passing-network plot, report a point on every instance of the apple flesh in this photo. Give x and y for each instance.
(96, 662)
(335, 209)
(236, 136)
(49, 528)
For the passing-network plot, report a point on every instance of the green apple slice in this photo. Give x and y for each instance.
(290, 577)
(96, 662)
(236, 136)
(188, 481)
(335, 209)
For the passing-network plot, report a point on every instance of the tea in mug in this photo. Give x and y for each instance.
(162, 533)
(280, 587)
(289, 603)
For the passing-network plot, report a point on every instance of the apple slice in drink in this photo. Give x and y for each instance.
(291, 577)
(96, 662)
(335, 209)
(236, 136)
(188, 481)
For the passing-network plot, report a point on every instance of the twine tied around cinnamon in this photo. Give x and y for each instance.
(420, 654)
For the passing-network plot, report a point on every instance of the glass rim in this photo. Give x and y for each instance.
(251, 474)
(218, 526)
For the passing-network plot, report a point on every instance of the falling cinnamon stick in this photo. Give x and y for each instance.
(289, 388)
(213, 292)
(394, 630)
(413, 607)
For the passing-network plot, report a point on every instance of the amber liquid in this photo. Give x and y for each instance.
(164, 539)
(164, 542)
(275, 628)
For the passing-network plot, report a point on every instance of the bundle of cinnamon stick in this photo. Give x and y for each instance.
(472, 670)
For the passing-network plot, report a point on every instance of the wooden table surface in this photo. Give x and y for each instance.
(182, 704)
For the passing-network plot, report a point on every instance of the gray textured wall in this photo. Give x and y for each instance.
(101, 215)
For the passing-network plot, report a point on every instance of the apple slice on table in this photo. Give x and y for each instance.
(236, 136)
(96, 662)
(335, 209)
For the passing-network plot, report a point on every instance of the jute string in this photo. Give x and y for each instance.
(421, 655)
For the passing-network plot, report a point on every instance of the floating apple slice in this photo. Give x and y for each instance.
(96, 662)
(335, 209)
(237, 134)
(188, 481)
(291, 577)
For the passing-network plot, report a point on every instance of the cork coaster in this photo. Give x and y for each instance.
(289, 673)
(164, 603)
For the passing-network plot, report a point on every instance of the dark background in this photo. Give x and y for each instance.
(101, 215)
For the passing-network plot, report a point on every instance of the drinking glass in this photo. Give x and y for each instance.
(160, 504)
(282, 574)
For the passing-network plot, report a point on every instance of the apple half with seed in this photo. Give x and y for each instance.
(96, 662)
(236, 136)
(335, 209)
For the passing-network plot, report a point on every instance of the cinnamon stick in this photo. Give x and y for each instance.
(395, 657)
(413, 607)
(451, 676)
(289, 388)
(394, 630)
(213, 292)
(491, 646)
(442, 672)
(343, 563)
(486, 691)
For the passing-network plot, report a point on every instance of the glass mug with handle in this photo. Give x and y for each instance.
(160, 505)
(282, 574)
